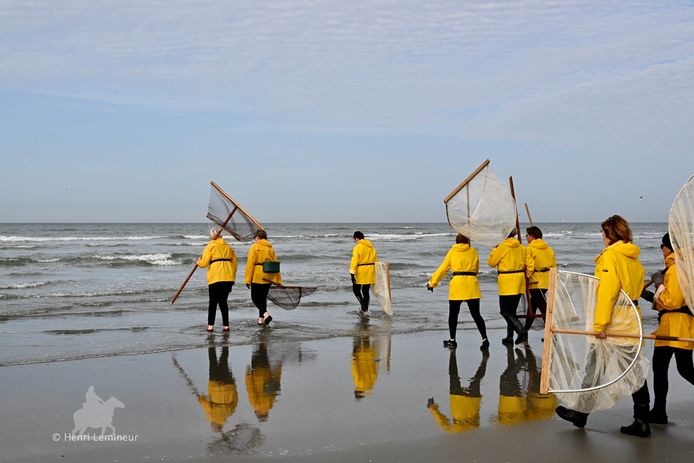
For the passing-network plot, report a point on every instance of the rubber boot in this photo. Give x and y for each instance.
(508, 340)
(657, 416)
(639, 427)
(576, 418)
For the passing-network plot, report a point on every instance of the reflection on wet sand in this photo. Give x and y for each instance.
(464, 402)
(262, 381)
(366, 357)
(519, 397)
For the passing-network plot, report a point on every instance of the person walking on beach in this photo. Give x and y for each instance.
(509, 260)
(362, 269)
(674, 319)
(462, 260)
(618, 268)
(221, 275)
(257, 279)
(539, 258)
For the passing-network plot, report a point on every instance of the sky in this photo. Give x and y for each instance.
(337, 111)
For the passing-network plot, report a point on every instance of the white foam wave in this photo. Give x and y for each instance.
(34, 284)
(195, 237)
(404, 237)
(155, 259)
(13, 239)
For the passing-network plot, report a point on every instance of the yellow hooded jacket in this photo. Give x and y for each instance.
(220, 270)
(259, 252)
(669, 297)
(460, 258)
(362, 264)
(539, 258)
(465, 411)
(618, 268)
(509, 256)
(221, 402)
(364, 371)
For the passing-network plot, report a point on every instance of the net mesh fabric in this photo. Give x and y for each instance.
(288, 297)
(382, 287)
(483, 210)
(587, 373)
(240, 226)
(681, 228)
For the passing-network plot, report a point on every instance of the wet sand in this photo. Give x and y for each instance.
(364, 398)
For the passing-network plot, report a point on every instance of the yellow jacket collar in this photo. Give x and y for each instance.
(629, 250)
(511, 242)
(670, 260)
(366, 243)
(538, 243)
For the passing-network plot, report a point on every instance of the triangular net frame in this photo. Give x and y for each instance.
(227, 213)
(482, 207)
(584, 372)
(289, 297)
(681, 228)
(382, 287)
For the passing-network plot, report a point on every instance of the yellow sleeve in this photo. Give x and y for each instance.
(204, 261)
(441, 271)
(234, 260)
(608, 292)
(529, 264)
(494, 257)
(354, 262)
(250, 265)
(440, 418)
(669, 294)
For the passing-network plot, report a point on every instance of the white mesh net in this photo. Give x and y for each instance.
(289, 297)
(240, 225)
(382, 287)
(587, 373)
(483, 209)
(681, 228)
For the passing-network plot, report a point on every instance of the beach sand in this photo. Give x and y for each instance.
(302, 405)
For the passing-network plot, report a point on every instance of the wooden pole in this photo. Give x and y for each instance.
(518, 234)
(619, 335)
(195, 267)
(527, 211)
(549, 338)
(466, 181)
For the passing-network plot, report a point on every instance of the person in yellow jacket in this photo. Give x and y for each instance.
(509, 260)
(222, 398)
(221, 275)
(362, 269)
(618, 268)
(262, 382)
(465, 402)
(539, 258)
(364, 367)
(462, 260)
(674, 319)
(257, 279)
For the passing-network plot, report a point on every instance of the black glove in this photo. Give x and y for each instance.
(248, 285)
(354, 280)
(430, 402)
(648, 295)
(657, 278)
(430, 288)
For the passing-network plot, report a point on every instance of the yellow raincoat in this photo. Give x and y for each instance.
(263, 387)
(364, 371)
(539, 258)
(509, 256)
(460, 258)
(668, 297)
(221, 401)
(261, 251)
(221, 270)
(465, 411)
(362, 264)
(618, 268)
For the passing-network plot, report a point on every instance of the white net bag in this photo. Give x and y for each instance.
(382, 287)
(681, 228)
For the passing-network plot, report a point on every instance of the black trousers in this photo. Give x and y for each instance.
(474, 306)
(661, 363)
(363, 296)
(259, 296)
(537, 301)
(219, 292)
(508, 306)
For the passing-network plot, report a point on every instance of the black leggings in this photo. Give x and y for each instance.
(537, 301)
(508, 306)
(259, 296)
(363, 296)
(661, 362)
(474, 306)
(219, 292)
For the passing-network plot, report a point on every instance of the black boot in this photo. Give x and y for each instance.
(657, 416)
(576, 418)
(639, 427)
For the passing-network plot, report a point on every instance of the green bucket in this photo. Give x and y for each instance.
(271, 267)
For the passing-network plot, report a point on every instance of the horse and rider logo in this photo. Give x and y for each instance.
(95, 413)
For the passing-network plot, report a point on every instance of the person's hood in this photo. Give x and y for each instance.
(626, 249)
(511, 242)
(366, 243)
(461, 247)
(670, 260)
(538, 244)
(263, 243)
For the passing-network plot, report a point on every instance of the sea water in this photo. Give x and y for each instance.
(71, 291)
